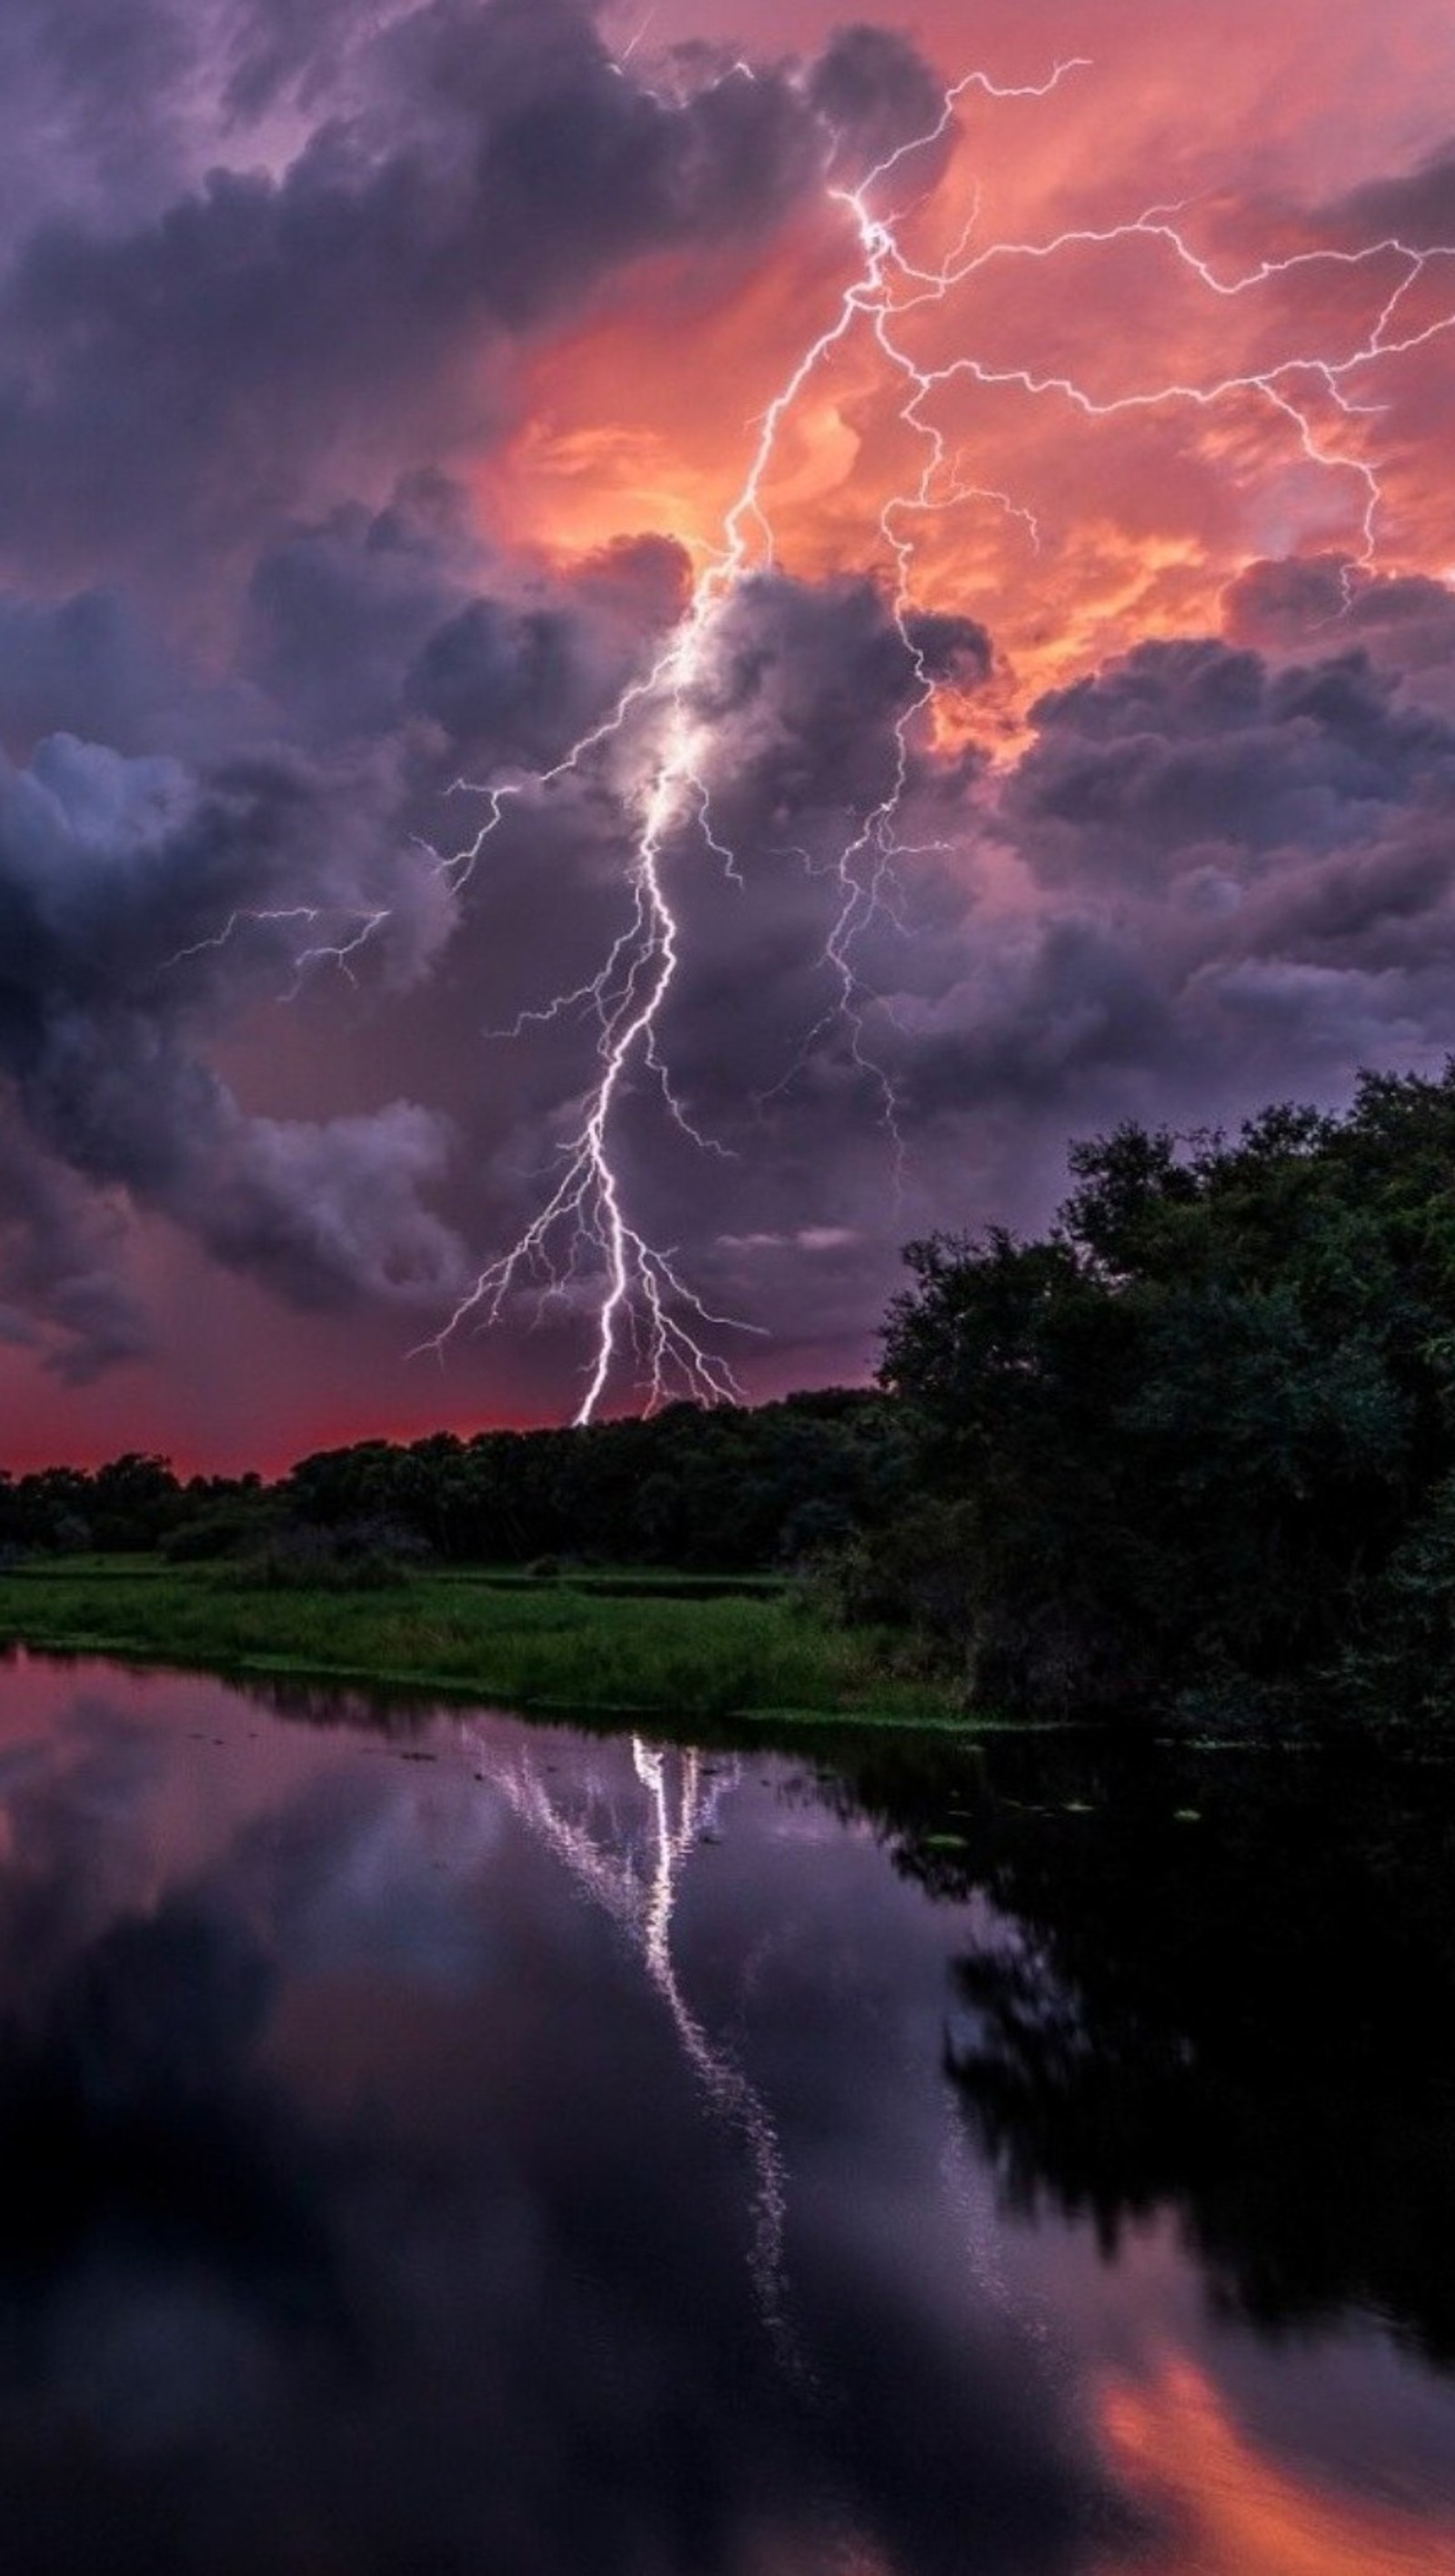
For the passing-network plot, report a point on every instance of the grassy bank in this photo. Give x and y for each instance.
(550, 1645)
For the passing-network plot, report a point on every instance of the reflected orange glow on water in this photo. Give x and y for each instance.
(1231, 2511)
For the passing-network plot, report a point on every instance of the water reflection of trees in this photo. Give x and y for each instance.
(1223, 1986)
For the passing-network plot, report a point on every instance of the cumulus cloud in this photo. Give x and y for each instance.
(148, 899)
(105, 863)
(1238, 878)
(63, 1289)
(1199, 746)
(876, 96)
(807, 687)
(88, 664)
(1318, 604)
(91, 108)
(192, 378)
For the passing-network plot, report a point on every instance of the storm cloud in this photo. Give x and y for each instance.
(1235, 877)
(233, 693)
(277, 284)
(105, 862)
(267, 336)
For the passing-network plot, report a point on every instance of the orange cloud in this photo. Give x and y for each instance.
(1075, 535)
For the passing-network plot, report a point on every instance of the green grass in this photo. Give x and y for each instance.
(555, 1645)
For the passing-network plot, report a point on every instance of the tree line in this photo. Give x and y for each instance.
(733, 1490)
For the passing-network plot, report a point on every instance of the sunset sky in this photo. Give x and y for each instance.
(1067, 731)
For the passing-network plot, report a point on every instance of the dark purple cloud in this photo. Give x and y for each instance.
(1196, 745)
(1315, 605)
(107, 864)
(268, 336)
(1417, 207)
(1238, 882)
(63, 1293)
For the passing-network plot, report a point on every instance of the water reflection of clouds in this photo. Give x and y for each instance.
(363, 2096)
(485, 2278)
(363, 1874)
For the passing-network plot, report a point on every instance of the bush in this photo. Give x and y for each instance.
(214, 1534)
(364, 1556)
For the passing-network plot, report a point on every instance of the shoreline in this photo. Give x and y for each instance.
(640, 1653)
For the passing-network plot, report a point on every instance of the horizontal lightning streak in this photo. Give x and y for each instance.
(322, 953)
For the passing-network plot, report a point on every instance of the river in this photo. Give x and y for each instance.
(435, 2143)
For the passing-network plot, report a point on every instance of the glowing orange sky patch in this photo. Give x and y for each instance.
(644, 418)
(1071, 535)
(1076, 536)
(1234, 2512)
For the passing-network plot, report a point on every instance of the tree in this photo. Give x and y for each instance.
(1202, 1434)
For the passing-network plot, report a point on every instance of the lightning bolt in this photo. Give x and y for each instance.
(584, 1224)
(584, 1246)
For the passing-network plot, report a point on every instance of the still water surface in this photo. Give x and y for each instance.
(433, 2143)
